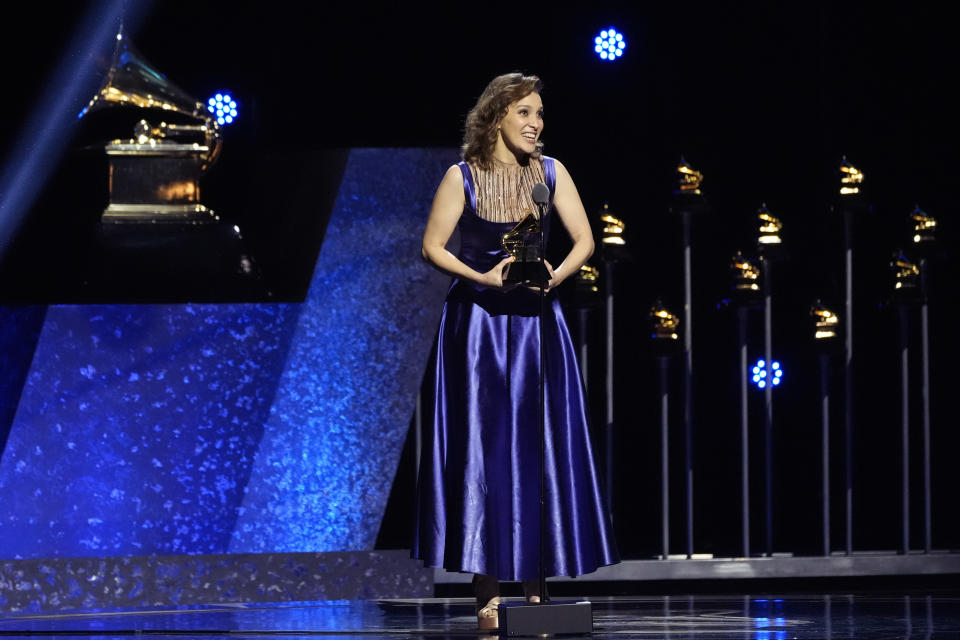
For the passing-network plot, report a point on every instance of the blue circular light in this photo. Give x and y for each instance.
(609, 44)
(763, 375)
(224, 107)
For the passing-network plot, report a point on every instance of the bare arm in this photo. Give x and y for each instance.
(567, 202)
(447, 206)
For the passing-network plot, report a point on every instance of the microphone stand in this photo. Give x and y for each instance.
(537, 619)
(544, 281)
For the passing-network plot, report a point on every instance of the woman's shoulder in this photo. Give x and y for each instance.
(456, 171)
(545, 159)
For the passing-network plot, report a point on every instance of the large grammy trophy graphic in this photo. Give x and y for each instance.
(156, 240)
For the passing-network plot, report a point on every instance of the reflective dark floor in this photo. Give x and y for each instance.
(877, 617)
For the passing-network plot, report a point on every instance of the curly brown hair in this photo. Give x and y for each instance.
(480, 134)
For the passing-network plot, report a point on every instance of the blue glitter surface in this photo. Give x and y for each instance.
(54, 584)
(198, 429)
(137, 428)
(332, 443)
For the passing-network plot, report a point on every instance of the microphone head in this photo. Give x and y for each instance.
(541, 194)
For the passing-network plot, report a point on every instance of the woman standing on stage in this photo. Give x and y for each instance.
(478, 489)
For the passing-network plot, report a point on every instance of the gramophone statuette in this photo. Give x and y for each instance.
(523, 243)
(155, 175)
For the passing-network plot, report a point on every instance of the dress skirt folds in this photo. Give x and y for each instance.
(478, 490)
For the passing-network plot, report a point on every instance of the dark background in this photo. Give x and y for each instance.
(764, 100)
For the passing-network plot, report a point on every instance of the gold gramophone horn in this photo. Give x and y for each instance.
(131, 81)
(155, 175)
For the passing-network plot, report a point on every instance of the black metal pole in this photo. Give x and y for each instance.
(664, 457)
(905, 425)
(688, 372)
(768, 400)
(608, 289)
(418, 438)
(544, 598)
(744, 434)
(925, 361)
(848, 378)
(529, 619)
(825, 446)
(582, 333)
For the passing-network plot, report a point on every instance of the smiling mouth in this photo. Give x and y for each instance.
(532, 137)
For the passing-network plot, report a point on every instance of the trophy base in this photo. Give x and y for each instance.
(175, 213)
(169, 263)
(526, 273)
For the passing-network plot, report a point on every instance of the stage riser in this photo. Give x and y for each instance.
(853, 566)
(58, 584)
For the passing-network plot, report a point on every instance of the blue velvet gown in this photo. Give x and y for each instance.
(478, 489)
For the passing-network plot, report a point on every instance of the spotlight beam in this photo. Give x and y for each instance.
(35, 154)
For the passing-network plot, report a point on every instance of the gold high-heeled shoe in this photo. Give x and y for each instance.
(487, 592)
(488, 616)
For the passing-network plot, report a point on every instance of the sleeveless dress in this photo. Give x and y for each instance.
(478, 488)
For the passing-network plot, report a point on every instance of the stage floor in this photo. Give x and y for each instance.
(749, 617)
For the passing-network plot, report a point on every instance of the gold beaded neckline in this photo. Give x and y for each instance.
(504, 189)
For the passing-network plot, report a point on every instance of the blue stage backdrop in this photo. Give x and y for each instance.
(235, 428)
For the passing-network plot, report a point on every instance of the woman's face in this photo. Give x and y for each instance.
(521, 127)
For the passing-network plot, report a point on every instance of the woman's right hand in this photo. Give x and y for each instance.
(494, 278)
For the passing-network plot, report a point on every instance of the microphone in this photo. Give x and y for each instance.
(541, 194)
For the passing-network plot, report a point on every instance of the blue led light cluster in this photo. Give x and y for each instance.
(762, 376)
(609, 45)
(224, 107)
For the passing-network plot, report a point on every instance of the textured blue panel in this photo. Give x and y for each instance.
(198, 429)
(54, 584)
(331, 447)
(137, 428)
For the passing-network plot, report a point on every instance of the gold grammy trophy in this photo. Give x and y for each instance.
(154, 176)
(523, 243)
